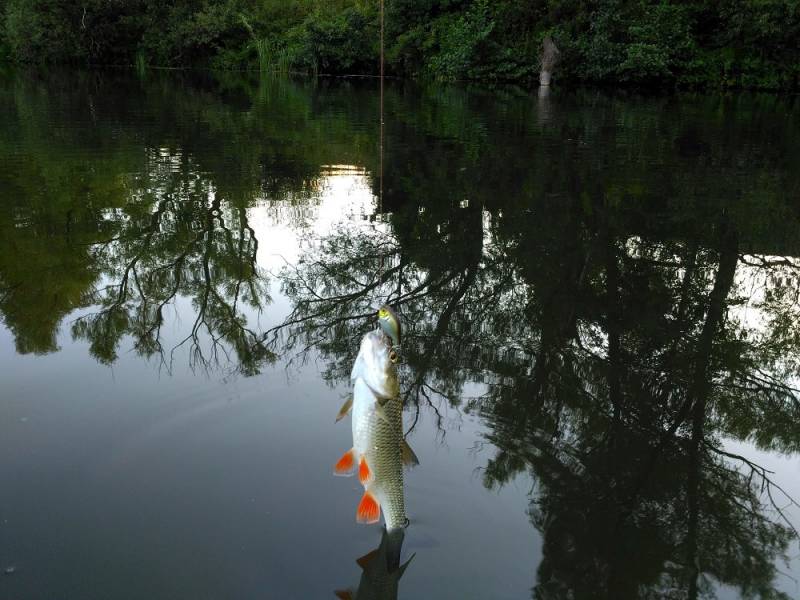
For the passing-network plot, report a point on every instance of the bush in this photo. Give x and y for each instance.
(460, 40)
(629, 42)
(69, 30)
(341, 41)
(185, 34)
(40, 30)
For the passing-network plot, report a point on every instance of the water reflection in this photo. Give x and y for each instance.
(381, 570)
(611, 372)
(176, 237)
(613, 360)
(609, 283)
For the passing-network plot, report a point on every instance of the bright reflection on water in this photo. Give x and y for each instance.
(599, 367)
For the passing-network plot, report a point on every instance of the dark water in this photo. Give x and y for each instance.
(601, 302)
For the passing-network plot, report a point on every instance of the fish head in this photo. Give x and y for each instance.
(375, 364)
(390, 324)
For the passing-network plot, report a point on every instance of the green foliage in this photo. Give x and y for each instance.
(5, 51)
(731, 43)
(627, 42)
(140, 64)
(261, 45)
(183, 33)
(341, 40)
(68, 30)
(461, 38)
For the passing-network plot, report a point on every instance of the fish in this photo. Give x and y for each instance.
(389, 322)
(379, 449)
(381, 570)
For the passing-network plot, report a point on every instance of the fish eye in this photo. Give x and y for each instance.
(382, 313)
(393, 356)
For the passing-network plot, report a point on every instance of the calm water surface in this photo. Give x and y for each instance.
(601, 302)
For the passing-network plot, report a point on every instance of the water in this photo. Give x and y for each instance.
(600, 300)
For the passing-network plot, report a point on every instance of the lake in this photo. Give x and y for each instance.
(599, 367)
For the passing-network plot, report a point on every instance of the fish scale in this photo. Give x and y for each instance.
(385, 461)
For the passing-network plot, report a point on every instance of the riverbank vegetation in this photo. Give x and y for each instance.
(695, 43)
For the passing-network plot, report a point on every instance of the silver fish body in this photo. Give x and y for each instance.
(378, 428)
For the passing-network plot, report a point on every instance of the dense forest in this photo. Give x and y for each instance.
(677, 43)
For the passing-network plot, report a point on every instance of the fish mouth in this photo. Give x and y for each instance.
(394, 356)
(389, 345)
(388, 340)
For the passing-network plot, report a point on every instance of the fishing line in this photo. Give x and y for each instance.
(380, 145)
(380, 195)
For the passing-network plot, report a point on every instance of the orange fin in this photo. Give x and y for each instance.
(343, 594)
(364, 474)
(346, 464)
(369, 511)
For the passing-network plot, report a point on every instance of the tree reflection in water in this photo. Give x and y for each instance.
(178, 238)
(614, 367)
(623, 314)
